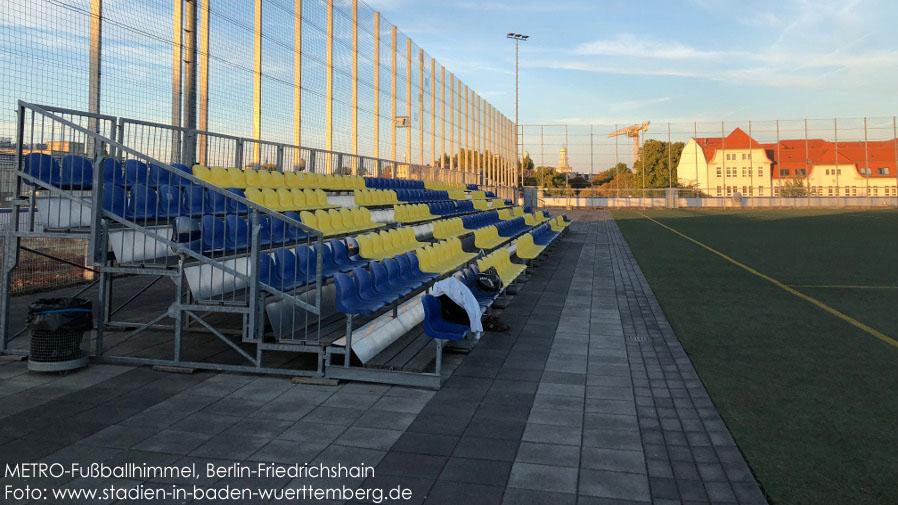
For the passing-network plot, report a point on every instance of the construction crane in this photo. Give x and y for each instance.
(632, 132)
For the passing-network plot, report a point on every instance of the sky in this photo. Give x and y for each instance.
(691, 60)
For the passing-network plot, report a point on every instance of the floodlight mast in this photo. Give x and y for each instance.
(517, 37)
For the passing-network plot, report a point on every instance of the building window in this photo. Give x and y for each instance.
(801, 171)
(729, 190)
(718, 190)
(875, 191)
(760, 172)
(718, 171)
(751, 191)
(784, 172)
(839, 171)
(827, 171)
(760, 190)
(744, 156)
(883, 170)
(776, 190)
(744, 190)
(830, 190)
(853, 190)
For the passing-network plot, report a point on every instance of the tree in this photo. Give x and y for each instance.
(652, 166)
(610, 174)
(794, 187)
(578, 182)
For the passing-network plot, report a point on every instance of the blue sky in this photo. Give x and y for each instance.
(705, 60)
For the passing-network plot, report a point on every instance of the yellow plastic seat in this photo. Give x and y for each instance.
(488, 237)
(219, 176)
(299, 199)
(291, 179)
(255, 195)
(526, 248)
(272, 200)
(517, 212)
(285, 198)
(265, 179)
(529, 220)
(252, 179)
(325, 225)
(321, 199)
(202, 172)
(478, 195)
(278, 180)
(309, 219)
(481, 205)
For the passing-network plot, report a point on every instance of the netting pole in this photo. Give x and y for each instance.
(355, 83)
(433, 112)
(478, 146)
(329, 89)
(442, 117)
(297, 84)
(393, 98)
(421, 108)
(177, 34)
(451, 123)
(467, 134)
(257, 81)
(459, 146)
(188, 148)
(96, 39)
(408, 104)
(203, 113)
(376, 132)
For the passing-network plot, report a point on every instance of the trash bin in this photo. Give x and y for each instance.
(57, 327)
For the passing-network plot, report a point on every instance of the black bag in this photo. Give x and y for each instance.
(489, 280)
(61, 314)
(452, 312)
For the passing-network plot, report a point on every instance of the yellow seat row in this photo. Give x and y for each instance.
(481, 204)
(386, 244)
(443, 257)
(498, 203)
(448, 228)
(283, 199)
(457, 194)
(488, 237)
(366, 197)
(478, 195)
(446, 186)
(412, 213)
(501, 259)
(339, 222)
(527, 249)
(558, 223)
(240, 178)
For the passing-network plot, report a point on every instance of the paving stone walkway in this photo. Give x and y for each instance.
(589, 399)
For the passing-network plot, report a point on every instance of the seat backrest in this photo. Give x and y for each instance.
(272, 201)
(77, 171)
(255, 195)
(192, 200)
(306, 260)
(381, 278)
(115, 200)
(169, 201)
(136, 172)
(235, 178)
(142, 202)
(392, 268)
(252, 178)
(277, 180)
(286, 265)
(299, 198)
(213, 233)
(265, 179)
(112, 172)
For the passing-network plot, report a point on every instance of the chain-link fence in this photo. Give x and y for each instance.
(781, 158)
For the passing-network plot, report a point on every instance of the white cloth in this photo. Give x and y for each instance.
(461, 295)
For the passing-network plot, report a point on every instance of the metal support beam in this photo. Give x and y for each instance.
(257, 81)
(433, 111)
(188, 147)
(297, 83)
(393, 79)
(376, 129)
(442, 116)
(421, 159)
(451, 151)
(177, 37)
(355, 82)
(96, 39)
(329, 90)
(408, 103)
(203, 113)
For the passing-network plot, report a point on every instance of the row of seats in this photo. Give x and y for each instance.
(443, 257)
(339, 222)
(375, 197)
(366, 292)
(77, 172)
(448, 228)
(386, 244)
(412, 213)
(448, 186)
(283, 199)
(421, 195)
(387, 183)
(246, 178)
(476, 221)
(233, 233)
(493, 204)
(450, 208)
(501, 260)
(526, 248)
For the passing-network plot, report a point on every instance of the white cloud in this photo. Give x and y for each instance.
(631, 45)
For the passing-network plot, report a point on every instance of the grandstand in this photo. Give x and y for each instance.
(316, 269)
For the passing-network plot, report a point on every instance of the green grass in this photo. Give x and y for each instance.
(811, 400)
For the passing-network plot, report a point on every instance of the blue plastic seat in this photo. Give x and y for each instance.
(281, 233)
(42, 167)
(437, 327)
(348, 300)
(169, 202)
(295, 232)
(382, 282)
(266, 237)
(193, 200)
(213, 234)
(235, 207)
(366, 287)
(216, 203)
(136, 172)
(395, 273)
(341, 255)
(187, 232)
(142, 203)
(77, 172)
(237, 233)
(405, 271)
(115, 200)
(112, 172)
(415, 269)
(329, 263)
(307, 259)
(268, 273)
(160, 176)
(289, 270)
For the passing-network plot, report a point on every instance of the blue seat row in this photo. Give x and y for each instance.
(234, 233)
(469, 278)
(77, 172)
(386, 183)
(480, 220)
(451, 208)
(387, 281)
(543, 234)
(421, 195)
(435, 326)
(511, 227)
(169, 201)
(473, 187)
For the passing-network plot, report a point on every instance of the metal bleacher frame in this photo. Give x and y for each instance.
(108, 136)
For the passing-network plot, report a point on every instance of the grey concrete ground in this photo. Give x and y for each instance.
(589, 399)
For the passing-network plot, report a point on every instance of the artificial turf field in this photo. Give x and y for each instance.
(811, 399)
